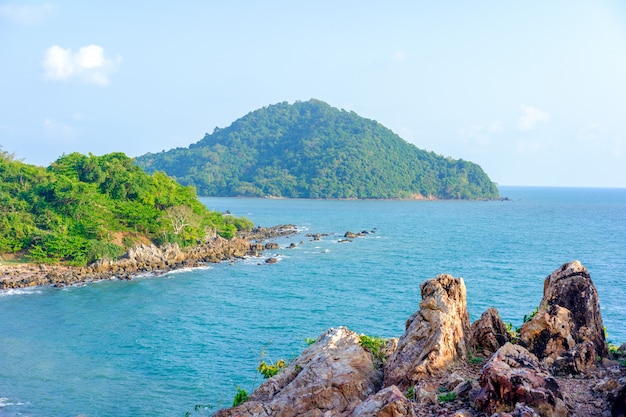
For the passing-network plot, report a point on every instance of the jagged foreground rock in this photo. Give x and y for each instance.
(567, 333)
(436, 336)
(513, 375)
(489, 333)
(337, 377)
(331, 377)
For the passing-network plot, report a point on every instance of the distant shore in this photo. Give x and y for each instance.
(142, 259)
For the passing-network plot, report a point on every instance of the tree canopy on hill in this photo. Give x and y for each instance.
(83, 208)
(312, 150)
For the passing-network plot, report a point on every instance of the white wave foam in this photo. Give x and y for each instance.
(4, 402)
(19, 291)
(183, 270)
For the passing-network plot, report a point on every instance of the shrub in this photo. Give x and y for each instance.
(528, 317)
(240, 397)
(269, 371)
(376, 346)
(446, 397)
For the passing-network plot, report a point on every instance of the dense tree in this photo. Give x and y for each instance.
(312, 150)
(82, 208)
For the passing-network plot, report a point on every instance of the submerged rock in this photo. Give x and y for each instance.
(436, 336)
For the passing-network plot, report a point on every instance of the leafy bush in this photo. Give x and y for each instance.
(410, 394)
(270, 370)
(446, 397)
(528, 317)
(71, 211)
(376, 346)
(240, 397)
(103, 250)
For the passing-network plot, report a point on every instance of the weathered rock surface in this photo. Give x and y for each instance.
(513, 375)
(140, 259)
(388, 402)
(436, 336)
(331, 377)
(618, 409)
(335, 377)
(567, 332)
(521, 410)
(489, 332)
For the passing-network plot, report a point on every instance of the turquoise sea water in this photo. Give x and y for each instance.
(156, 346)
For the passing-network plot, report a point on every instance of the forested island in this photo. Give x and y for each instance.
(84, 208)
(312, 150)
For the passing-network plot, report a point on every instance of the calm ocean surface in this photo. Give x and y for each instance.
(157, 346)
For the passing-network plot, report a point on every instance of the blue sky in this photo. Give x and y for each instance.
(533, 91)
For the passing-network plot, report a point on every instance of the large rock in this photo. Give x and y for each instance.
(151, 254)
(436, 336)
(514, 376)
(567, 332)
(332, 376)
(388, 402)
(489, 332)
(618, 408)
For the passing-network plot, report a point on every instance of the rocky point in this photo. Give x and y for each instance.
(442, 366)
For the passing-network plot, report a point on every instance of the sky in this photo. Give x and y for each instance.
(533, 91)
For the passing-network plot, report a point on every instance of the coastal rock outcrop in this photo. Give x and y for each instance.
(388, 402)
(143, 258)
(567, 332)
(489, 332)
(331, 377)
(436, 336)
(513, 376)
(428, 372)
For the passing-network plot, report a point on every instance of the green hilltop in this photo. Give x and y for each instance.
(312, 150)
(84, 208)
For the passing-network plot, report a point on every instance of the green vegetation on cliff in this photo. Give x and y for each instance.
(83, 208)
(312, 150)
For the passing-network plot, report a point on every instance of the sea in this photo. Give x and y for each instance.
(184, 342)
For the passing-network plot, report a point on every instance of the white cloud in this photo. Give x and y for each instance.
(399, 56)
(590, 134)
(88, 64)
(58, 130)
(6, 128)
(26, 14)
(530, 117)
(596, 139)
(617, 147)
(495, 127)
(529, 147)
(481, 135)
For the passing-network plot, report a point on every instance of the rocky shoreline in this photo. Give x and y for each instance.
(557, 364)
(143, 259)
